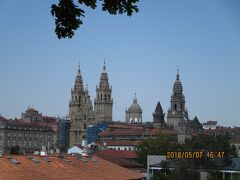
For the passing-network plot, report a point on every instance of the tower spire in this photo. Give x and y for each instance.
(104, 65)
(178, 74)
(78, 67)
(135, 97)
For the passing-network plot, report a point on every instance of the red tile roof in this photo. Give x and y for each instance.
(122, 158)
(120, 132)
(120, 143)
(59, 169)
(3, 118)
(119, 154)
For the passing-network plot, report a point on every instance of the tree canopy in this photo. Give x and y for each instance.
(68, 15)
(163, 144)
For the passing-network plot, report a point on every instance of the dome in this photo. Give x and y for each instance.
(135, 107)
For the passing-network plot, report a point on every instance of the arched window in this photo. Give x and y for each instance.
(175, 107)
(84, 127)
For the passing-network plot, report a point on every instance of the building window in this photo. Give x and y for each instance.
(175, 107)
(130, 149)
(118, 148)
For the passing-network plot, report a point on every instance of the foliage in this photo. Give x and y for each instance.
(68, 16)
(208, 144)
(15, 150)
(188, 168)
(156, 146)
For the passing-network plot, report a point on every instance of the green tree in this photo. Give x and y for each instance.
(15, 150)
(68, 16)
(209, 144)
(155, 146)
(187, 168)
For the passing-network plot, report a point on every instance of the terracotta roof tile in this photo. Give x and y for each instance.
(120, 143)
(59, 169)
(119, 154)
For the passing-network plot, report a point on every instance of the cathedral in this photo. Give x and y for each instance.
(177, 112)
(133, 114)
(81, 111)
(177, 117)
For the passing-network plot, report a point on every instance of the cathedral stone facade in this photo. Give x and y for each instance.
(158, 117)
(134, 112)
(177, 117)
(177, 113)
(81, 110)
(103, 102)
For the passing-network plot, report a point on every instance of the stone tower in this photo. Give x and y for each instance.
(103, 103)
(158, 117)
(80, 112)
(177, 112)
(134, 112)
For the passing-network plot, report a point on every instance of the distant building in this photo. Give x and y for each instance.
(125, 132)
(127, 159)
(210, 125)
(29, 136)
(177, 113)
(121, 145)
(103, 103)
(177, 117)
(80, 112)
(32, 115)
(158, 117)
(134, 113)
(63, 133)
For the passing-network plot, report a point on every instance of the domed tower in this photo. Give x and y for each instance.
(134, 112)
(158, 116)
(103, 102)
(80, 111)
(177, 111)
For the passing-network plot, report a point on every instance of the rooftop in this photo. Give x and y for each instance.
(59, 168)
(119, 154)
(120, 143)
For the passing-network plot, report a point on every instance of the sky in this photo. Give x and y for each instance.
(142, 52)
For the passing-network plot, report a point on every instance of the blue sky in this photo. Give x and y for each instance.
(142, 52)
